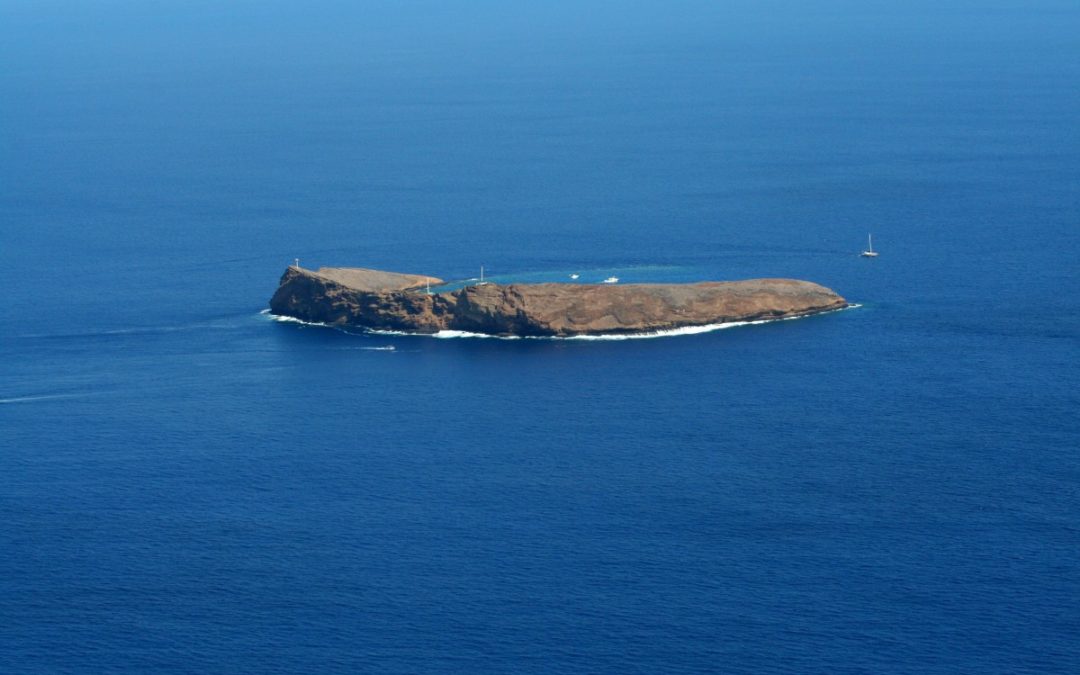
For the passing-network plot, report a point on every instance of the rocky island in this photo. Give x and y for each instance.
(378, 300)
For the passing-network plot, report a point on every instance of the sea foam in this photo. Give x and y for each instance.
(281, 318)
(450, 334)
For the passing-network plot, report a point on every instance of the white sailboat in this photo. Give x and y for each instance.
(482, 282)
(869, 252)
(611, 280)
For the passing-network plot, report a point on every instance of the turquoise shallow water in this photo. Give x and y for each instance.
(638, 274)
(187, 485)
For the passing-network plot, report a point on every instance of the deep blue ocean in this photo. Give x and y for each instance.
(189, 486)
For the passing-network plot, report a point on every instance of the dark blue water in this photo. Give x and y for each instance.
(188, 486)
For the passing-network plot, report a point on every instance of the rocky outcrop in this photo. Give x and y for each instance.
(390, 301)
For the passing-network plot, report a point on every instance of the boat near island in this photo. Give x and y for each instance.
(869, 252)
(611, 280)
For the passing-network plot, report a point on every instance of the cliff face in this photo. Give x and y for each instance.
(352, 298)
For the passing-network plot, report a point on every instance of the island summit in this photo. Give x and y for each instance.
(372, 299)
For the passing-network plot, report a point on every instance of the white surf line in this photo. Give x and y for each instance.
(462, 334)
(672, 332)
(453, 334)
(697, 330)
(281, 318)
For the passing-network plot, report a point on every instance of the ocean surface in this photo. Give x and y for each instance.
(187, 485)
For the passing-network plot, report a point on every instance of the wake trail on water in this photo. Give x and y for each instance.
(39, 398)
(216, 323)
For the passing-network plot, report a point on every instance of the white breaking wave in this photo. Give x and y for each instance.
(695, 330)
(685, 330)
(281, 318)
(449, 334)
(672, 332)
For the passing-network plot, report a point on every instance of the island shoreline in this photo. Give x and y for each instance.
(592, 337)
(375, 300)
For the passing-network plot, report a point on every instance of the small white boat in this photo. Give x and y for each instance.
(611, 280)
(869, 252)
(574, 276)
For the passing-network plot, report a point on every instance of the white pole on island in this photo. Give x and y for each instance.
(296, 263)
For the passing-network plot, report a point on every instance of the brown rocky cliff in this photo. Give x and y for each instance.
(540, 309)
